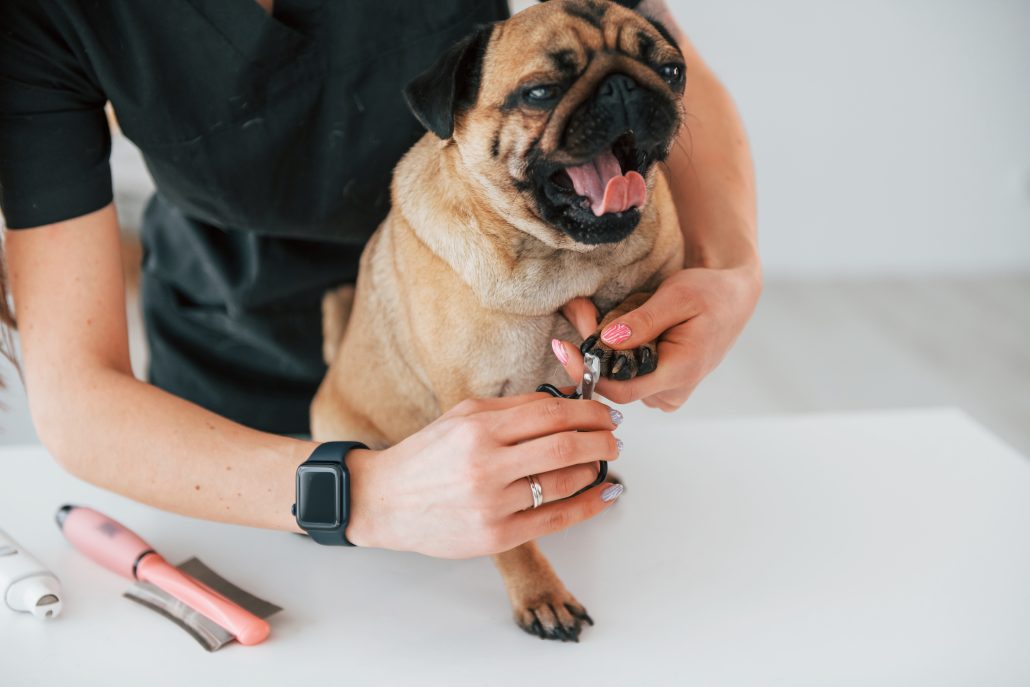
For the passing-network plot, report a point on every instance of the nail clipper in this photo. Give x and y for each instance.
(585, 391)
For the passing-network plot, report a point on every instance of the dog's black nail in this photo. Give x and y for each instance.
(622, 369)
(588, 344)
(580, 614)
(648, 361)
(560, 629)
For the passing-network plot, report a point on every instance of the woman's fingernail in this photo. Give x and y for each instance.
(618, 445)
(611, 492)
(615, 334)
(559, 351)
(616, 416)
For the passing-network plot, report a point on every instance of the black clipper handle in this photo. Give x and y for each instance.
(602, 473)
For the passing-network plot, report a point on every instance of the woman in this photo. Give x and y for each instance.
(270, 133)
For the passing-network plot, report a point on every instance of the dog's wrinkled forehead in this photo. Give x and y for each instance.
(562, 41)
(572, 43)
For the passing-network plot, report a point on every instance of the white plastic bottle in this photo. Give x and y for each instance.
(25, 585)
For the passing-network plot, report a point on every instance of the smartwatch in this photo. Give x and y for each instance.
(322, 508)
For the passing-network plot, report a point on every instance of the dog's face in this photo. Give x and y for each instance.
(560, 114)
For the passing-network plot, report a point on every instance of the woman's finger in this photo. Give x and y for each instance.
(554, 486)
(672, 304)
(548, 416)
(669, 401)
(553, 517)
(558, 451)
(481, 405)
(582, 314)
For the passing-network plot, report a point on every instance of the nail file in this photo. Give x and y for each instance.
(25, 584)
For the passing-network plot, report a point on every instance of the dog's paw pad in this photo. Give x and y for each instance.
(553, 616)
(622, 365)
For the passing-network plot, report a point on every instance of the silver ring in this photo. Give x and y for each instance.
(538, 491)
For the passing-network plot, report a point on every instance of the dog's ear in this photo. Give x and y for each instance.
(436, 95)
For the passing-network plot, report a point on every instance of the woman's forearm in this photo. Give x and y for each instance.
(109, 428)
(137, 440)
(710, 167)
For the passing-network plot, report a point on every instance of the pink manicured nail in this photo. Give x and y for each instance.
(614, 334)
(559, 351)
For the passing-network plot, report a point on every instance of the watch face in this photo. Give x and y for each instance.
(319, 493)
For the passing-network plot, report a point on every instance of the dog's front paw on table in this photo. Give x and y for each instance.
(554, 614)
(553, 617)
(622, 365)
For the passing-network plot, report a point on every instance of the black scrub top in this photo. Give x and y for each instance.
(270, 138)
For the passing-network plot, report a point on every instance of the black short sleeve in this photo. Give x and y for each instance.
(54, 139)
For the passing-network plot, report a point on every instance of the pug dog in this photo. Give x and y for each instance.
(538, 181)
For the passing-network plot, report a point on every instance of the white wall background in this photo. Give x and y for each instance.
(890, 136)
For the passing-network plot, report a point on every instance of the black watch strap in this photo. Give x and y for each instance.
(332, 454)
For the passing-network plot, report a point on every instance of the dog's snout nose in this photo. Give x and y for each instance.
(616, 87)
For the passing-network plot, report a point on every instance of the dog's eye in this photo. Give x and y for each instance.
(672, 73)
(539, 95)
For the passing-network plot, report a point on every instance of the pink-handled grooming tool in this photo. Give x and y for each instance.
(121, 551)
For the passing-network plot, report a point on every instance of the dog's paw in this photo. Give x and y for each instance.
(622, 365)
(553, 615)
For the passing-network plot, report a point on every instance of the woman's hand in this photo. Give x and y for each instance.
(696, 315)
(457, 488)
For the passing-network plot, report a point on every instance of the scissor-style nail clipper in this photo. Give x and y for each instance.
(585, 391)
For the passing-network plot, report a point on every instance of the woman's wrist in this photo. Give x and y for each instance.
(361, 525)
(742, 260)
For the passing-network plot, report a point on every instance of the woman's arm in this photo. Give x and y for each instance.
(457, 488)
(697, 313)
(710, 169)
(107, 427)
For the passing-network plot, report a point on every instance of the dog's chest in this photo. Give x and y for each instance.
(514, 356)
(539, 287)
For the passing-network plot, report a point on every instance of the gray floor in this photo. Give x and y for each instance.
(821, 345)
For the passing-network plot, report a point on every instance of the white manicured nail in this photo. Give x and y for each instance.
(612, 492)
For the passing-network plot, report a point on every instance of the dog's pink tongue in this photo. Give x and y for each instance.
(602, 182)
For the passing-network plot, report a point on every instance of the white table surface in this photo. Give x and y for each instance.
(882, 549)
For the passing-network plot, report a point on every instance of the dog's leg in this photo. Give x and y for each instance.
(623, 364)
(541, 603)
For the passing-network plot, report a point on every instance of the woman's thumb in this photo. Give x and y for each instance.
(582, 314)
(659, 313)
